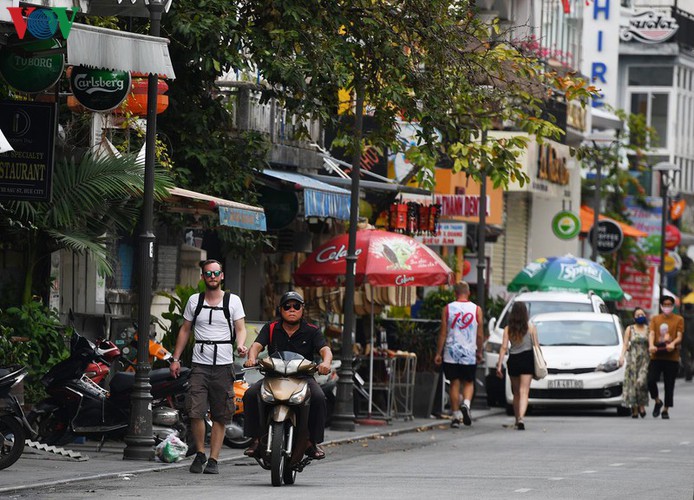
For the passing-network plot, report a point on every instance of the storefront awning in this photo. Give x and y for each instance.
(231, 213)
(118, 50)
(320, 199)
(373, 185)
(587, 219)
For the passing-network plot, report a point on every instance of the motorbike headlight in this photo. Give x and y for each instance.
(266, 395)
(299, 396)
(609, 365)
(493, 347)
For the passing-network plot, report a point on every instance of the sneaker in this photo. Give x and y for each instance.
(455, 424)
(656, 408)
(467, 420)
(211, 467)
(665, 415)
(198, 463)
(520, 426)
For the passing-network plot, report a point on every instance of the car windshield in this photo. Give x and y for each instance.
(575, 333)
(541, 307)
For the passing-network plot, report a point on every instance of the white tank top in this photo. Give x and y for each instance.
(461, 337)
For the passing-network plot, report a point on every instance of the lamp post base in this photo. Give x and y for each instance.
(140, 438)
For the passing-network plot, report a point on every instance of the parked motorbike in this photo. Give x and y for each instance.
(286, 396)
(14, 427)
(78, 406)
(233, 434)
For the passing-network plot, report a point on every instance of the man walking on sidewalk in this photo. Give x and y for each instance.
(459, 346)
(220, 322)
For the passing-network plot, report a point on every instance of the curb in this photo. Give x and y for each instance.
(162, 466)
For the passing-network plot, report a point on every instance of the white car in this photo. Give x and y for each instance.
(582, 354)
(537, 303)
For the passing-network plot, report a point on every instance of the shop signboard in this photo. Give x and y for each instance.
(647, 217)
(610, 236)
(638, 285)
(566, 225)
(29, 72)
(26, 172)
(450, 234)
(649, 26)
(99, 89)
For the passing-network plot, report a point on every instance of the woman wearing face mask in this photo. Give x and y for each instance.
(635, 353)
(664, 339)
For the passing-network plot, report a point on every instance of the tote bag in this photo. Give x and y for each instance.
(540, 364)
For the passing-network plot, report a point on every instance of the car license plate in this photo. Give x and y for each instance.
(565, 384)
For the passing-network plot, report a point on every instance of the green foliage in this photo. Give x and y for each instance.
(493, 307)
(419, 337)
(174, 315)
(92, 196)
(434, 303)
(32, 335)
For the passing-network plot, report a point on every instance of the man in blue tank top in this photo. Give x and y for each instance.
(460, 348)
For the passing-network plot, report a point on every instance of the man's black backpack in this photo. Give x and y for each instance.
(225, 308)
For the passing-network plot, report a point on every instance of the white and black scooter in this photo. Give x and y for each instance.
(286, 395)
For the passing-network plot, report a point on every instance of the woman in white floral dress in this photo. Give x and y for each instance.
(635, 353)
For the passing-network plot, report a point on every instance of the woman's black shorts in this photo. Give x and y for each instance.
(522, 363)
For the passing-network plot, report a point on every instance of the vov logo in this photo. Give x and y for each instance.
(42, 23)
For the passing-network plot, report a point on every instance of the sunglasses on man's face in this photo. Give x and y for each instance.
(209, 274)
(296, 307)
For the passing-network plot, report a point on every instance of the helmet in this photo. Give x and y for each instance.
(291, 295)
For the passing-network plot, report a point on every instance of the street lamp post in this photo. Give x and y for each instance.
(139, 440)
(482, 231)
(664, 168)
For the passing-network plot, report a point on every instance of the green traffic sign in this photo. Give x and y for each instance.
(566, 225)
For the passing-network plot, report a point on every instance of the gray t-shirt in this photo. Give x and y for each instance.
(526, 344)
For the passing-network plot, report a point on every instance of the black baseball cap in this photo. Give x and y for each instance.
(291, 295)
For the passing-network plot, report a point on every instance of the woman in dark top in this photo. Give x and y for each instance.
(521, 334)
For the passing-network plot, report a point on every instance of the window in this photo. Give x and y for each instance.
(650, 76)
(654, 106)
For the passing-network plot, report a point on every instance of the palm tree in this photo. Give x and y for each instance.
(92, 198)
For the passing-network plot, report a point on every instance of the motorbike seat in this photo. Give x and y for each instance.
(124, 381)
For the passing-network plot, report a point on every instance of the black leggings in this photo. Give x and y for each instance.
(669, 369)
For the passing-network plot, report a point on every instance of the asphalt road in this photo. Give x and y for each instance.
(561, 455)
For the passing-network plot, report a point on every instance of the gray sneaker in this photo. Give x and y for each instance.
(198, 463)
(467, 419)
(455, 424)
(211, 467)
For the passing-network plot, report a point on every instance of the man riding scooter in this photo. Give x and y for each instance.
(290, 333)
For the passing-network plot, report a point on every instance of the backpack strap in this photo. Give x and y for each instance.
(272, 329)
(227, 314)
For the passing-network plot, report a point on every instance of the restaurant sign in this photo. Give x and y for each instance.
(26, 172)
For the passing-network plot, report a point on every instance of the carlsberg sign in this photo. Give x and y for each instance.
(99, 90)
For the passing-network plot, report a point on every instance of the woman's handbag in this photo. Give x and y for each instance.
(540, 364)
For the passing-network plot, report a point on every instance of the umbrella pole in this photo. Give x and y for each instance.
(368, 420)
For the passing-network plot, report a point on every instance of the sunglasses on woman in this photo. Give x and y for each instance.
(296, 307)
(209, 274)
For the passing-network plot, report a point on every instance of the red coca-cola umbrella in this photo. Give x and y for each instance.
(383, 259)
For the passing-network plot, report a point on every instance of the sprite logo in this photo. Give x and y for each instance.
(42, 23)
(572, 272)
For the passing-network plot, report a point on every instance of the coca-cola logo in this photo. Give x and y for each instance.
(403, 279)
(333, 253)
(649, 26)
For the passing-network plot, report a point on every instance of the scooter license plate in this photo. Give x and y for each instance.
(565, 384)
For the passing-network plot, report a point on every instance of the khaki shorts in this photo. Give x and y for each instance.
(211, 389)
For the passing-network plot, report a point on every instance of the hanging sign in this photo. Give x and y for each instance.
(98, 89)
(649, 26)
(28, 72)
(610, 236)
(566, 225)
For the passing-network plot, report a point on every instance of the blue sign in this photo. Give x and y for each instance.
(242, 218)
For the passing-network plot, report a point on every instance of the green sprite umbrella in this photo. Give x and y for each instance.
(567, 273)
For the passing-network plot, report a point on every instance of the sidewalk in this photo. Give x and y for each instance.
(40, 469)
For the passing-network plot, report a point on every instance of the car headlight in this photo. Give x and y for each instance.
(609, 365)
(493, 347)
(266, 395)
(299, 396)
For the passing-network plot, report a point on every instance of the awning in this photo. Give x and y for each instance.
(118, 50)
(320, 199)
(603, 119)
(587, 219)
(231, 213)
(373, 185)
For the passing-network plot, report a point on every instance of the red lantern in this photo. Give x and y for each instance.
(672, 236)
(467, 267)
(136, 103)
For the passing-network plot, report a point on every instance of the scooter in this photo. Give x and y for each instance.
(287, 397)
(14, 427)
(78, 406)
(233, 434)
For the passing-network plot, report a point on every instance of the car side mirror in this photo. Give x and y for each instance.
(492, 325)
